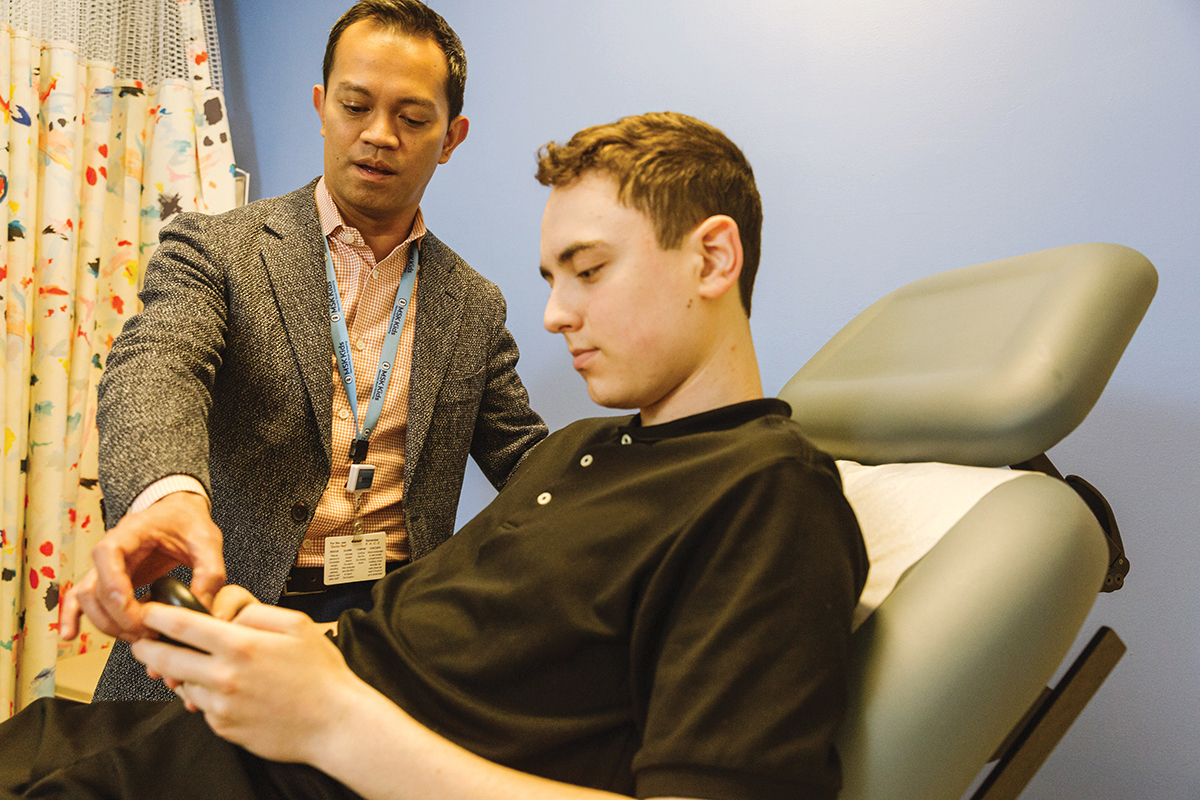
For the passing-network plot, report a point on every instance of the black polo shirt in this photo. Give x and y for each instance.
(659, 611)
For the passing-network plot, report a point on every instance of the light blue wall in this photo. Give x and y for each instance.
(891, 140)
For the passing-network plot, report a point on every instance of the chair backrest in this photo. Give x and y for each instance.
(951, 660)
(987, 365)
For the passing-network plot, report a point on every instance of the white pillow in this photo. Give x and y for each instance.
(904, 510)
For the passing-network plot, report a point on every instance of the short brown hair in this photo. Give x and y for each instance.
(676, 169)
(415, 19)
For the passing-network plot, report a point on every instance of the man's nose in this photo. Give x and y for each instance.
(558, 317)
(381, 132)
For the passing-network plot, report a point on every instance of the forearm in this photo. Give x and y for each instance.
(155, 392)
(371, 737)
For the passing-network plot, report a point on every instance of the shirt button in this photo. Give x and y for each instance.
(343, 413)
(586, 461)
(374, 273)
(361, 344)
(627, 439)
(346, 236)
(543, 498)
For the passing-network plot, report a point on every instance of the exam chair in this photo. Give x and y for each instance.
(981, 576)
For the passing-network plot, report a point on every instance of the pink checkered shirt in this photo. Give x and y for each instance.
(368, 292)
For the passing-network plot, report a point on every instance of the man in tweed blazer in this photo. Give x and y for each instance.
(225, 376)
(258, 368)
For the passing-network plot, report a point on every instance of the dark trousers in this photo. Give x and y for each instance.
(141, 751)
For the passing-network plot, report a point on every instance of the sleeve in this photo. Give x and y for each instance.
(155, 393)
(506, 428)
(741, 655)
(163, 487)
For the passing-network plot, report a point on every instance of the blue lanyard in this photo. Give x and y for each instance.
(387, 358)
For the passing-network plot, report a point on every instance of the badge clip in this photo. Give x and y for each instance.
(360, 479)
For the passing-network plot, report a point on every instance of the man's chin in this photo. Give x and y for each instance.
(609, 399)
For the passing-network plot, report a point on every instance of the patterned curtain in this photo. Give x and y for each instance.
(101, 147)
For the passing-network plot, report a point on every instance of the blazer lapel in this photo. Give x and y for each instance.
(439, 315)
(294, 259)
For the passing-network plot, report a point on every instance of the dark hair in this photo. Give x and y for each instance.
(676, 169)
(415, 19)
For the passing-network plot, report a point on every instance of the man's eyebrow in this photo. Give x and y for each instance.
(359, 89)
(568, 253)
(575, 249)
(352, 88)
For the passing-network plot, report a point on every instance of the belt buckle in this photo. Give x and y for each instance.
(288, 591)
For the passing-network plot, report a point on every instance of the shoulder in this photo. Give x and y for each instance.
(776, 439)
(796, 492)
(440, 262)
(283, 215)
(765, 443)
(773, 451)
(766, 475)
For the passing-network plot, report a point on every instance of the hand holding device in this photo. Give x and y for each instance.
(178, 529)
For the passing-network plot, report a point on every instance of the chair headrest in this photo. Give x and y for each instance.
(987, 365)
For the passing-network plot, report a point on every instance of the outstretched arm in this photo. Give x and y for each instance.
(271, 682)
(152, 418)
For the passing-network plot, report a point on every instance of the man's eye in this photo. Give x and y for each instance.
(353, 109)
(589, 274)
(415, 123)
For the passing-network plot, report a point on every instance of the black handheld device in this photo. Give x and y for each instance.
(171, 591)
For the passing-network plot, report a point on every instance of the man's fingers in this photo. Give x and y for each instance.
(106, 624)
(184, 694)
(201, 631)
(69, 613)
(275, 619)
(111, 594)
(208, 576)
(172, 663)
(231, 601)
(82, 598)
(205, 556)
(144, 546)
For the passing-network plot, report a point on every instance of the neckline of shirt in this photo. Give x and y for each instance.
(717, 419)
(331, 223)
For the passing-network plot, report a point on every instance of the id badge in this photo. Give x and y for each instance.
(348, 561)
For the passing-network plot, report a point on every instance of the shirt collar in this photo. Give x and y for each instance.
(717, 419)
(333, 226)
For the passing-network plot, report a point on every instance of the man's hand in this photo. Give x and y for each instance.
(141, 547)
(267, 680)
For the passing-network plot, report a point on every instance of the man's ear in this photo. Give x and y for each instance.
(319, 104)
(456, 131)
(720, 245)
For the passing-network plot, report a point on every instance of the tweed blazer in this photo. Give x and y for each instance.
(226, 375)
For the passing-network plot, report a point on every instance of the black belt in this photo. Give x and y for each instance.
(311, 580)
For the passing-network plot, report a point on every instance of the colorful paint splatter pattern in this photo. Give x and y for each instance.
(90, 172)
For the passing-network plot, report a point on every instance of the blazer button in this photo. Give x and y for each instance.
(300, 511)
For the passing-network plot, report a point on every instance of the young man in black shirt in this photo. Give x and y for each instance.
(656, 605)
